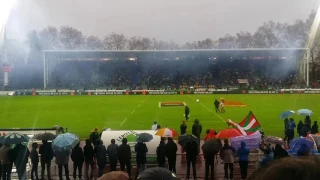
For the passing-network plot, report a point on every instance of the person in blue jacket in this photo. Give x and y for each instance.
(243, 154)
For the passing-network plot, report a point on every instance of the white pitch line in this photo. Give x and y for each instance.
(133, 111)
(267, 104)
(123, 121)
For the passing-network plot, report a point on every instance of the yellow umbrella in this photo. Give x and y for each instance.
(115, 175)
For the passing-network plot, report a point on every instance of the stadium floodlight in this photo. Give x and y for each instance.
(5, 9)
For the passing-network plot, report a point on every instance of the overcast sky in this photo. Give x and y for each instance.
(180, 20)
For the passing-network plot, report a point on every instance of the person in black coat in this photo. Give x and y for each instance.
(34, 157)
(101, 156)
(299, 127)
(186, 112)
(46, 153)
(161, 154)
(94, 136)
(141, 156)
(305, 130)
(77, 157)
(171, 153)
(21, 159)
(216, 105)
(192, 151)
(314, 128)
(279, 152)
(125, 157)
(183, 128)
(196, 129)
(88, 153)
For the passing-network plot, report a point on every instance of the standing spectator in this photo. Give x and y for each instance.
(125, 158)
(171, 154)
(191, 150)
(286, 121)
(0, 164)
(243, 153)
(183, 128)
(94, 136)
(209, 163)
(113, 155)
(62, 159)
(101, 155)
(141, 156)
(308, 121)
(88, 152)
(154, 126)
(305, 130)
(158, 127)
(34, 156)
(314, 128)
(227, 155)
(210, 133)
(186, 112)
(216, 105)
(196, 129)
(299, 127)
(290, 129)
(46, 157)
(6, 161)
(77, 157)
(161, 154)
(279, 152)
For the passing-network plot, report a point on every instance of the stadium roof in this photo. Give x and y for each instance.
(198, 53)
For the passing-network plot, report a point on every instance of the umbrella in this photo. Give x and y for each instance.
(273, 140)
(14, 138)
(144, 137)
(44, 136)
(305, 112)
(65, 141)
(228, 133)
(186, 138)
(298, 142)
(157, 173)
(166, 132)
(212, 146)
(115, 175)
(286, 114)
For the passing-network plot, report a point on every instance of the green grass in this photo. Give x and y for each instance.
(80, 114)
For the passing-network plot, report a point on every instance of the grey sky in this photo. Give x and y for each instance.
(180, 20)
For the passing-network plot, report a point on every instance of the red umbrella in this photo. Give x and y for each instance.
(228, 133)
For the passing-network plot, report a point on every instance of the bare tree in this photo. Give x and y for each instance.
(115, 41)
(94, 43)
(71, 38)
(244, 40)
(49, 37)
(138, 43)
(265, 36)
(227, 42)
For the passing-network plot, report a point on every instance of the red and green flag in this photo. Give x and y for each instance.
(250, 124)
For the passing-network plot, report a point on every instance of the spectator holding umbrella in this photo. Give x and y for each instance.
(171, 153)
(290, 129)
(286, 121)
(6, 163)
(113, 155)
(314, 128)
(34, 156)
(183, 128)
(141, 156)
(305, 130)
(101, 154)
(125, 158)
(243, 154)
(77, 157)
(62, 159)
(21, 153)
(161, 153)
(88, 152)
(192, 151)
(46, 156)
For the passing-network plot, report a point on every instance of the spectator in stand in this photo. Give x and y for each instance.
(113, 155)
(243, 154)
(286, 121)
(77, 157)
(267, 157)
(304, 150)
(209, 162)
(314, 128)
(305, 130)
(299, 127)
(192, 151)
(6, 160)
(34, 157)
(62, 160)
(141, 156)
(88, 152)
(154, 126)
(101, 154)
(46, 153)
(227, 154)
(161, 153)
(94, 136)
(210, 133)
(279, 152)
(125, 158)
(171, 154)
(290, 129)
(21, 153)
(196, 129)
(183, 128)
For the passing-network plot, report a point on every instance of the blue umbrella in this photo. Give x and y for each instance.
(286, 114)
(305, 112)
(64, 142)
(298, 142)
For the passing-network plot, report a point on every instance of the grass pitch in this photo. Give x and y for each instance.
(80, 114)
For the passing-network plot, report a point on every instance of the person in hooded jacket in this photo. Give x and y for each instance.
(210, 133)
(141, 156)
(171, 153)
(112, 152)
(62, 159)
(161, 154)
(34, 157)
(243, 154)
(196, 129)
(101, 156)
(125, 157)
(94, 136)
(299, 127)
(314, 128)
(77, 157)
(21, 159)
(46, 153)
(88, 153)
(227, 154)
(192, 151)
(279, 152)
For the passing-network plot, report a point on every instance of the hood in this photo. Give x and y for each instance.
(196, 121)
(210, 134)
(243, 144)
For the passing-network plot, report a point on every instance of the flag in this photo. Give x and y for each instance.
(250, 124)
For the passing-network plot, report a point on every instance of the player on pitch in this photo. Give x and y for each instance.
(222, 105)
(186, 112)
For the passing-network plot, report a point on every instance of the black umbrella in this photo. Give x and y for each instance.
(212, 146)
(157, 173)
(14, 138)
(144, 137)
(186, 138)
(44, 136)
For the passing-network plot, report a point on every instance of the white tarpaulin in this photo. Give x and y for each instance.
(131, 137)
